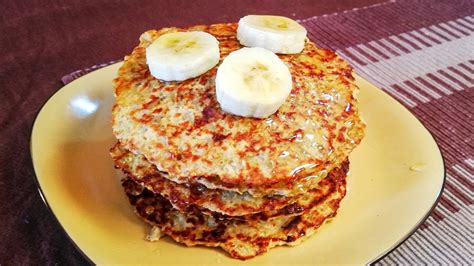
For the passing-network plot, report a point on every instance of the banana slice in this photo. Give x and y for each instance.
(252, 82)
(275, 33)
(182, 55)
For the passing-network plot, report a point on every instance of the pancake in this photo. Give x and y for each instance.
(182, 196)
(241, 239)
(180, 128)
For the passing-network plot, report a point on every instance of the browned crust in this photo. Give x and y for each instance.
(156, 210)
(183, 196)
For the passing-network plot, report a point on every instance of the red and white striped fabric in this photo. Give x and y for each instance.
(421, 53)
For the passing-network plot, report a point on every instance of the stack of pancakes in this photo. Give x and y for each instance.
(206, 177)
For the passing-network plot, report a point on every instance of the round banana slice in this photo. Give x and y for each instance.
(278, 34)
(252, 82)
(182, 55)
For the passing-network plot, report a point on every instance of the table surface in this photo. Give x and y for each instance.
(44, 40)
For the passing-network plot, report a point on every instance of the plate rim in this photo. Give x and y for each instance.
(357, 76)
(36, 180)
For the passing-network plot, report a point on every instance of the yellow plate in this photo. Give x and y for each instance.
(397, 174)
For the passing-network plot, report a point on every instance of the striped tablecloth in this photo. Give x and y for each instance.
(421, 53)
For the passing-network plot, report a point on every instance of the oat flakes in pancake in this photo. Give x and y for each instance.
(179, 126)
(241, 239)
(230, 203)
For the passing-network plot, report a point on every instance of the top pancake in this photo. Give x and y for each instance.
(180, 127)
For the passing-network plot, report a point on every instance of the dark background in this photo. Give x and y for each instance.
(40, 41)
